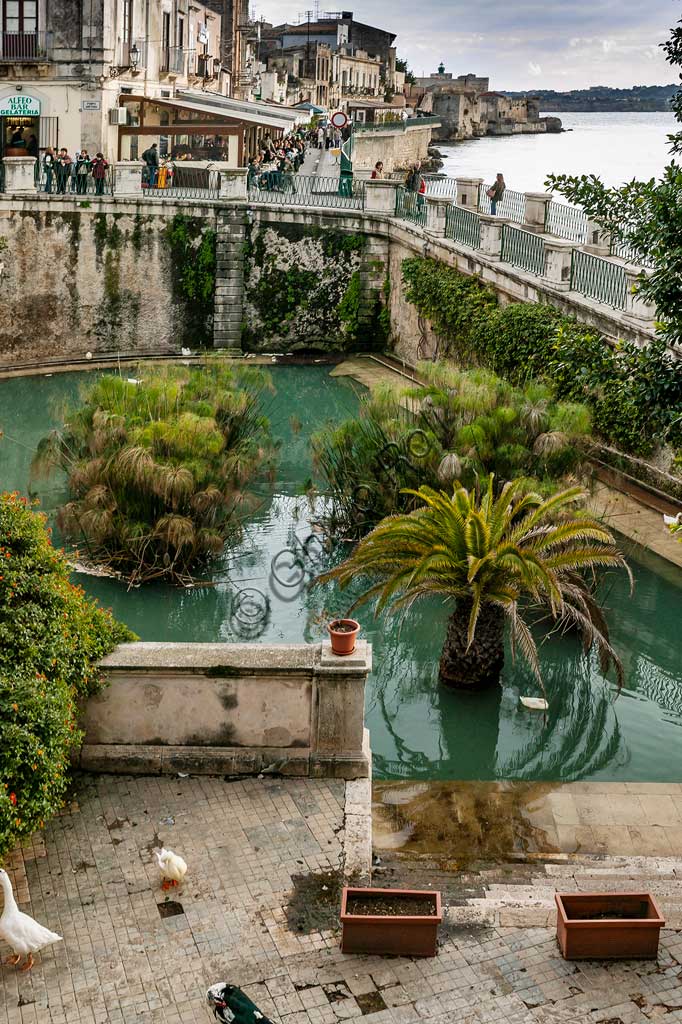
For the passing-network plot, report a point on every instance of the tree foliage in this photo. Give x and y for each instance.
(51, 638)
(634, 394)
(158, 467)
(646, 215)
(505, 550)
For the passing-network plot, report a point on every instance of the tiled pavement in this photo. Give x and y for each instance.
(94, 881)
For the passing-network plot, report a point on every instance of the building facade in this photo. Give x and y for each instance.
(62, 76)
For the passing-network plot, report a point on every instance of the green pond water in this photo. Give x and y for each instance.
(418, 730)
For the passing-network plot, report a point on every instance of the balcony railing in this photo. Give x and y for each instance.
(523, 249)
(410, 206)
(463, 226)
(566, 222)
(172, 60)
(598, 279)
(625, 251)
(512, 204)
(288, 189)
(25, 47)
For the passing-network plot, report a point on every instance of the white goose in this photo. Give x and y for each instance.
(173, 868)
(23, 934)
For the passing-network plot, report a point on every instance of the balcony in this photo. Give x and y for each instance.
(172, 60)
(25, 47)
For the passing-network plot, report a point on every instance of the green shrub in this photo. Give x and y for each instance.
(51, 639)
(635, 394)
(158, 465)
(457, 425)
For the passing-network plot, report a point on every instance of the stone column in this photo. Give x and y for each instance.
(19, 174)
(128, 178)
(558, 262)
(436, 215)
(229, 285)
(467, 192)
(491, 235)
(338, 746)
(636, 307)
(598, 241)
(380, 197)
(232, 180)
(536, 211)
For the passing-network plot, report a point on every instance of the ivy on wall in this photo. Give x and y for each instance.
(635, 394)
(193, 268)
(303, 290)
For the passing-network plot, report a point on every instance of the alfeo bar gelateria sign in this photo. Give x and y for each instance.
(19, 106)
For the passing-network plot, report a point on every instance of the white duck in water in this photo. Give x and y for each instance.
(23, 934)
(173, 868)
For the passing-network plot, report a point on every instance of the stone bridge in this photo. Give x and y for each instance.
(125, 272)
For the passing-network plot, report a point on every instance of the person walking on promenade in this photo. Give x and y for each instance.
(151, 158)
(49, 163)
(99, 168)
(496, 193)
(320, 137)
(378, 171)
(63, 170)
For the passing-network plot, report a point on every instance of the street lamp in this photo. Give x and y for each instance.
(134, 58)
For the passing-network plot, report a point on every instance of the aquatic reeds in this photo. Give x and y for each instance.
(456, 425)
(159, 464)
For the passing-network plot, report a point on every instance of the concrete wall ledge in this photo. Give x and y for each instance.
(229, 709)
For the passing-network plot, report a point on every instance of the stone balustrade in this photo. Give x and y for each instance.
(235, 708)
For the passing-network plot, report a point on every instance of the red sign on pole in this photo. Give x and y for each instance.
(339, 119)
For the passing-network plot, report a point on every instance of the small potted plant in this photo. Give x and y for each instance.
(343, 633)
(608, 925)
(398, 922)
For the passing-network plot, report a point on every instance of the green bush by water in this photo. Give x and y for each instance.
(51, 639)
(158, 466)
(459, 425)
(635, 394)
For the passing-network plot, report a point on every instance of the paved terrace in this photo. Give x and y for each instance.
(255, 911)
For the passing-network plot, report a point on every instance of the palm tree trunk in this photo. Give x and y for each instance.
(481, 665)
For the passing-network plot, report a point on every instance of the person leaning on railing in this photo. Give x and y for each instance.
(99, 168)
(496, 193)
(49, 163)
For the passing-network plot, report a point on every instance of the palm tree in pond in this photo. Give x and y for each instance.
(494, 556)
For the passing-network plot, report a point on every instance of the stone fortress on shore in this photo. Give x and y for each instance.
(469, 110)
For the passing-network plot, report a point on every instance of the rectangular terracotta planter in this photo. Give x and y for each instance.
(404, 935)
(586, 931)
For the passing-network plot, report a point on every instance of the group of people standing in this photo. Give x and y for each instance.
(326, 137)
(63, 173)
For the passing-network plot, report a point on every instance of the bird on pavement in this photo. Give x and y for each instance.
(20, 931)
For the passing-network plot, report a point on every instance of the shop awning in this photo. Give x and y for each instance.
(239, 110)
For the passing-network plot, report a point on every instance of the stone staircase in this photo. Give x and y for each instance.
(520, 893)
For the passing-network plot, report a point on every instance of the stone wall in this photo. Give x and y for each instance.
(125, 275)
(235, 708)
(77, 278)
(313, 282)
(398, 147)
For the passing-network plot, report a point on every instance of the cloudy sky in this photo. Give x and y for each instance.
(551, 44)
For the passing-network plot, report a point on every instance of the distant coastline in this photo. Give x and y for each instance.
(604, 100)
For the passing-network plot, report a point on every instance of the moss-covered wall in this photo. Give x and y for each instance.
(311, 288)
(75, 278)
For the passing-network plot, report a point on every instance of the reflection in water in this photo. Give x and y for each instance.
(459, 822)
(419, 730)
(581, 734)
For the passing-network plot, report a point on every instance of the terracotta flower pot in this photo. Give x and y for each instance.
(608, 925)
(343, 633)
(387, 933)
